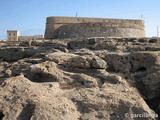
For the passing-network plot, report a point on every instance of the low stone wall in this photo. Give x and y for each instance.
(70, 27)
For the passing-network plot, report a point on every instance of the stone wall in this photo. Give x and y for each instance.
(70, 27)
(27, 38)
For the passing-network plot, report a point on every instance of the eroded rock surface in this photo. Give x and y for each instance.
(86, 79)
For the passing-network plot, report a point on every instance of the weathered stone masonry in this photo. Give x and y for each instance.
(71, 27)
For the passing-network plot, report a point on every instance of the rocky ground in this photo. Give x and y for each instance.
(80, 79)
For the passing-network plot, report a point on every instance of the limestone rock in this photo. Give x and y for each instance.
(49, 101)
(88, 62)
(23, 99)
(14, 54)
(79, 62)
(100, 79)
(98, 63)
(43, 72)
(84, 52)
(85, 80)
(59, 57)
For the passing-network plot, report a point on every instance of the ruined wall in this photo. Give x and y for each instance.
(70, 27)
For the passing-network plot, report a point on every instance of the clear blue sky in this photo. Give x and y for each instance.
(29, 16)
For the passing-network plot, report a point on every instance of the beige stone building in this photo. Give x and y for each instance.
(14, 35)
(25, 38)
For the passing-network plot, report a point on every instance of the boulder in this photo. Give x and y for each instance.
(43, 72)
(87, 62)
(59, 57)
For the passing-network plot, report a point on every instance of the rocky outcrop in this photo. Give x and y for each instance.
(87, 62)
(88, 81)
(25, 100)
(28, 100)
(14, 54)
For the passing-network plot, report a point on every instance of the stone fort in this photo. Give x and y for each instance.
(14, 35)
(74, 27)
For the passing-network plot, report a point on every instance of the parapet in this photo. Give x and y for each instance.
(69, 27)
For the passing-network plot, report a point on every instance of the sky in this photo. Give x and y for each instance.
(29, 16)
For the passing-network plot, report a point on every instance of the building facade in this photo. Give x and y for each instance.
(14, 35)
(25, 38)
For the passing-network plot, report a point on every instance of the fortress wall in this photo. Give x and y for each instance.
(67, 20)
(54, 24)
(50, 29)
(97, 30)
